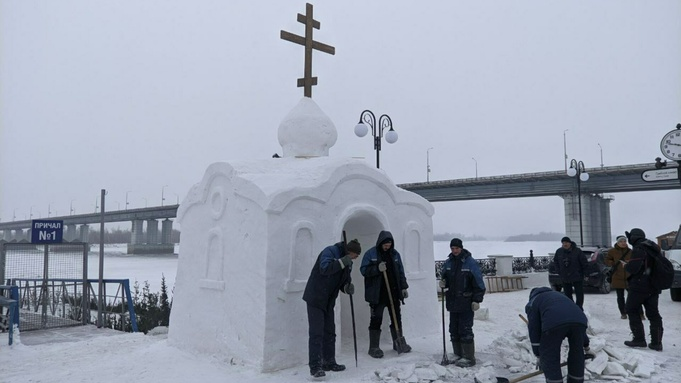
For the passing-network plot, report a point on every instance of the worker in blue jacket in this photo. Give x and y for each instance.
(330, 275)
(552, 317)
(462, 278)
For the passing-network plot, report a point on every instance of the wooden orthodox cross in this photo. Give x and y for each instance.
(308, 81)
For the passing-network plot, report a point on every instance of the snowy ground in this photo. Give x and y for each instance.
(107, 356)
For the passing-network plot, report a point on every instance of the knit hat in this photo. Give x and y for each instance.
(566, 239)
(353, 247)
(635, 235)
(621, 238)
(456, 242)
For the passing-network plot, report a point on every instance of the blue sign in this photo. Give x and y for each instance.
(47, 231)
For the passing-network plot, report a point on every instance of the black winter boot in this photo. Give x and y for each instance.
(656, 338)
(374, 344)
(317, 372)
(638, 333)
(468, 357)
(333, 367)
(458, 353)
(405, 347)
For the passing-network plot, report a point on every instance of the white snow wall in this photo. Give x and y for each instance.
(251, 232)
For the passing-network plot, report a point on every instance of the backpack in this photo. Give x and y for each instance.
(661, 269)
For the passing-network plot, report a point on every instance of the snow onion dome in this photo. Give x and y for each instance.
(306, 131)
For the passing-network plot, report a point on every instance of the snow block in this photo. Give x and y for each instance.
(424, 373)
(613, 368)
(439, 370)
(598, 364)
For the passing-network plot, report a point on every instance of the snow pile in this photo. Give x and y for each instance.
(511, 356)
(427, 372)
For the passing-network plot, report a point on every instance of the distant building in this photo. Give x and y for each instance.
(666, 240)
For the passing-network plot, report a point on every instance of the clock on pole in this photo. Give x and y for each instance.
(671, 144)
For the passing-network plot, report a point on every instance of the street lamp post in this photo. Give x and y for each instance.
(368, 117)
(146, 203)
(565, 148)
(71, 210)
(14, 215)
(163, 198)
(49, 210)
(126, 199)
(30, 213)
(428, 164)
(476, 167)
(600, 147)
(577, 169)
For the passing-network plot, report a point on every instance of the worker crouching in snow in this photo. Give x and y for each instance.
(552, 317)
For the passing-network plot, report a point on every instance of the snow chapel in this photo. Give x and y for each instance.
(252, 230)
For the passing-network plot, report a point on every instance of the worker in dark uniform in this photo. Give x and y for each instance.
(551, 318)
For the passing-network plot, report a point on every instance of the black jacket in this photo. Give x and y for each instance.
(638, 267)
(374, 281)
(327, 278)
(570, 264)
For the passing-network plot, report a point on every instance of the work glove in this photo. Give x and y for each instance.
(475, 306)
(346, 261)
(405, 294)
(443, 283)
(382, 267)
(349, 289)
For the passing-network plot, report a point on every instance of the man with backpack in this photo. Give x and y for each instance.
(646, 269)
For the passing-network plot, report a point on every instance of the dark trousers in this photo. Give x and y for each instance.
(621, 300)
(461, 326)
(579, 292)
(549, 352)
(322, 343)
(377, 315)
(633, 305)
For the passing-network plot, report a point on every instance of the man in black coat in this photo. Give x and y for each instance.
(551, 318)
(330, 275)
(377, 260)
(642, 292)
(570, 265)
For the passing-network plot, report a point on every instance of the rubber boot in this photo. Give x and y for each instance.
(374, 344)
(458, 354)
(468, 355)
(656, 338)
(639, 336)
(393, 333)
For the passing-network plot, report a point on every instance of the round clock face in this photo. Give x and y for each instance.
(671, 145)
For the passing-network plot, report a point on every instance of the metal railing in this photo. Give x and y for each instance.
(521, 265)
(66, 302)
(487, 267)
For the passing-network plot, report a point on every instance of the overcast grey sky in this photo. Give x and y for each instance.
(131, 96)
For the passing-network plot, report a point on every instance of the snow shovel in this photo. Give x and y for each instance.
(354, 332)
(445, 360)
(400, 342)
(527, 376)
(532, 374)
(352, 310)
